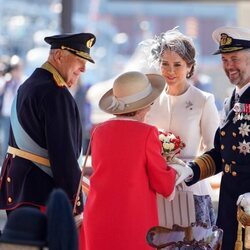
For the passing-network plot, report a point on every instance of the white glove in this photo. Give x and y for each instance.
(183, 172)
(244, 201)
(176, 160)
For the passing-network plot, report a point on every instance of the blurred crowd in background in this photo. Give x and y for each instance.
(119, 26)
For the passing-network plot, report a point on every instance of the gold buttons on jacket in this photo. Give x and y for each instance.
(227, 168)
(78, 203)
(9, 199)
(222, 146)
(234, 173)
(8, 179)
(234, 147)
(234, 134)
(222, 133)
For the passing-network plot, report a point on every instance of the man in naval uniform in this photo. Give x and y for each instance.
(231, 152)
(45, 136)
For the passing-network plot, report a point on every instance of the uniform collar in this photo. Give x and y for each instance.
(57, 77)
(242, 90)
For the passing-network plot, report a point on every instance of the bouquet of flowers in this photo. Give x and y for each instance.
(171, 145)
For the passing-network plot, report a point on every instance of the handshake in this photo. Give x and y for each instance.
(184, 173)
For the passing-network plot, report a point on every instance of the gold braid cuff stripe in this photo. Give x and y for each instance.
(206, 165)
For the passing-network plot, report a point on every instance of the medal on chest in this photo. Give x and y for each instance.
(242, 112)
(242, 115)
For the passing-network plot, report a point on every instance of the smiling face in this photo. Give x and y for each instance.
(68, 65)
(72, 67)
(174, 69)
(237, 67)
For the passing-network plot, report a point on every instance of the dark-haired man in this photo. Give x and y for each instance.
(231, 152)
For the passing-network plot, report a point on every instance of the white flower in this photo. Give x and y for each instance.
(171, 146)
(171, 136)
(162, 137)
(168, 146)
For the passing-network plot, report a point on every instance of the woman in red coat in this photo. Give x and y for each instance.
(128, 168)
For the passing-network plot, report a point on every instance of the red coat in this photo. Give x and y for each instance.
(128, 171)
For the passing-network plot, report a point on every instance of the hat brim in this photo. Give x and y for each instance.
(221, 51)
(157, 83)
(86, 58)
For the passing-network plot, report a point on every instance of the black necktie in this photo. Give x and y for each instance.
(236, 98)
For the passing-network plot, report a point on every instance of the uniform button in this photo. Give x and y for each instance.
(234, 173)
(227, 168)
(9, 199)
(8, 179)
(234, 147)
(233, 162)
(222, 133)
(234, 134)
(78, 203)
(222, 147)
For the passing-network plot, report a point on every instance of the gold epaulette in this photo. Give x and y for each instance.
(57, 77)
(206, 165)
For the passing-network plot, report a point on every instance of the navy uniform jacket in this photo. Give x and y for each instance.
(49, 114)
(231, 154)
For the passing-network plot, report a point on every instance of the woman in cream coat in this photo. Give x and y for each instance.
(184, 110)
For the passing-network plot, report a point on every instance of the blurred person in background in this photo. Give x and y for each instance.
(183, 110)
(61, 227)
(13, 79)
(3, 68)
(26, 229)
(45, 146)
(79, 92)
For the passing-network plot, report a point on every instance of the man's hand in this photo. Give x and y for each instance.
(78, 220)
(244, 201)
(183, 172)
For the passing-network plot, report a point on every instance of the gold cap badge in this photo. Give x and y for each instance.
(89, 43)
(225, 39)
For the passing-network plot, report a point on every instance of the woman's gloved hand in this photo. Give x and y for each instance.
(183, 172)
